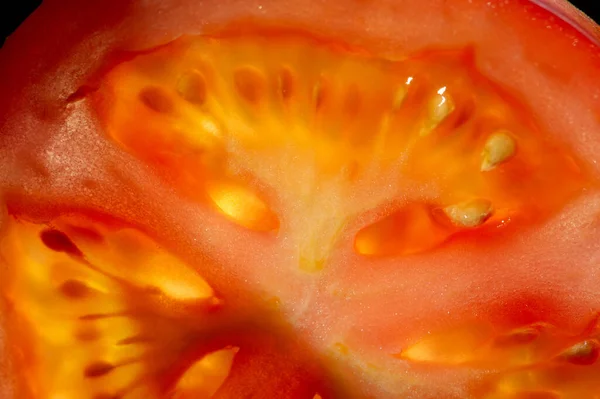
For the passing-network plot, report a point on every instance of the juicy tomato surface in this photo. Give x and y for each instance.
(300, 199)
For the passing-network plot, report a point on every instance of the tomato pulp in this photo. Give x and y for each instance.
(235, 199)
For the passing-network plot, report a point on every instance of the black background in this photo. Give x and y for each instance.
(12, 13)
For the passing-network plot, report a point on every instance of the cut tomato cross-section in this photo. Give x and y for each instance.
(226, 199)
(253, 124)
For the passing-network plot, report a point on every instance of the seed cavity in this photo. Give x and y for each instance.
(157, 99)
(498, 148)
(250, 83)
(75, 289)
(98, 369)
(583, 353)
(469, 214)
(408, 231)
(454, 346)
(205, 377)
(58, 241)
(192, 87)
(242, 205)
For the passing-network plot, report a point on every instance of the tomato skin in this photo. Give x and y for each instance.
(38, 76)
(573, 16)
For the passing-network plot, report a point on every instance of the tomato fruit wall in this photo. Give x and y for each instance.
(337, 199)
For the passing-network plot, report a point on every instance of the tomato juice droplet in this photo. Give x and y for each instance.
(584, 353)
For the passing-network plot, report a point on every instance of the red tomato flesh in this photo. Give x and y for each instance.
(234, 200)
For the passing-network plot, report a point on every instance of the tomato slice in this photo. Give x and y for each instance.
(232, 199)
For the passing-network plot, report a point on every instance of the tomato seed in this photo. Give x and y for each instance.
(58, 241)
(75, 289)
(583, 354)
(440, 107)
(498, 148)
(469, 214)
(99, 369)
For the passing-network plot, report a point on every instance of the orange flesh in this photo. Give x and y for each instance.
(286, 132)
(251, 124)
(105, 314)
